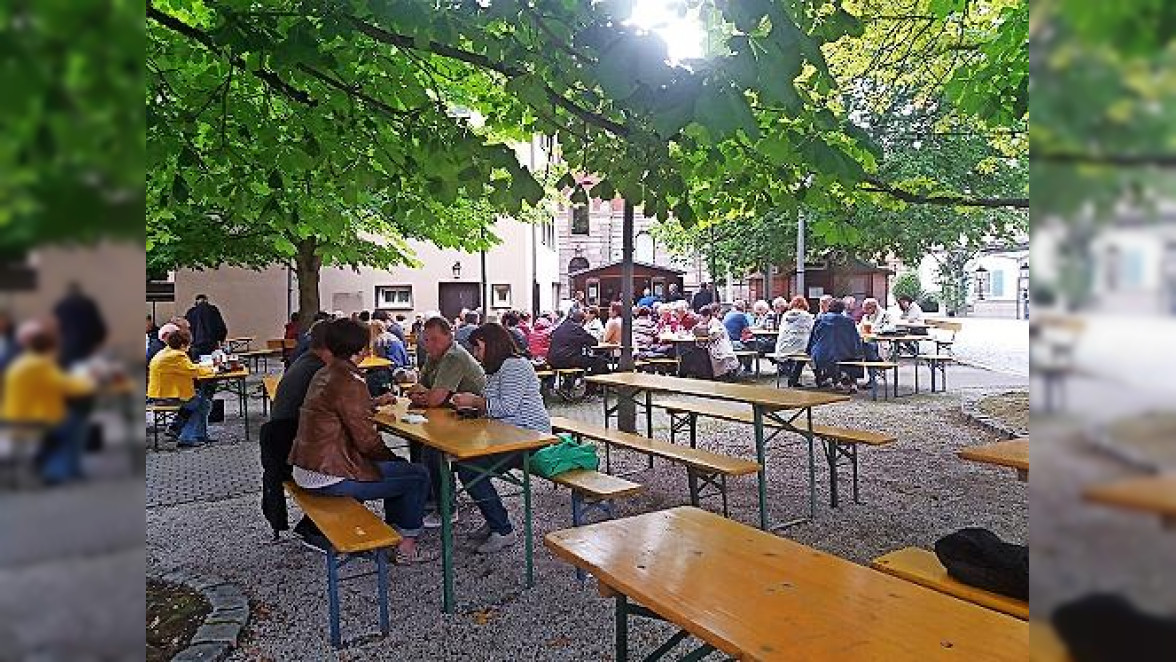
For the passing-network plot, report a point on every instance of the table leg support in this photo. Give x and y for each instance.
(446, 510)
(758, 421)
(528, 543)
(812, 463)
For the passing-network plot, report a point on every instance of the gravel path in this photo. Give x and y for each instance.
(913, 492)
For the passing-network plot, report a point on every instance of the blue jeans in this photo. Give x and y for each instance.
(483, 492)
(403, 489)
(195, 411)
(59, 458)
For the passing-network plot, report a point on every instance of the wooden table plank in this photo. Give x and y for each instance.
(758, 597)
(369, 362)
(767, 397)
(1152, 494)
(235, 374)
(1013, 453)
(461, 438)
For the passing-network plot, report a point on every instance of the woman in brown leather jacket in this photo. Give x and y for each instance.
(339, 452)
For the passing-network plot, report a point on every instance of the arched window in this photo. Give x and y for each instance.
(643, 247)
(577, 264)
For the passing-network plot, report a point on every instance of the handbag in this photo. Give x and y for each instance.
(567, 455)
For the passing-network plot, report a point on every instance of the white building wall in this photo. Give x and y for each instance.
(254, 302)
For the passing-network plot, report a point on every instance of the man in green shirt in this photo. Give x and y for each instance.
(448, 369)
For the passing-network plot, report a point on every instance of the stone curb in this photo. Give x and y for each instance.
(217, 635)
(971, 409)
(1099, 438)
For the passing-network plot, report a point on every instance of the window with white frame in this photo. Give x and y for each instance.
(394, 296)
(500, 296)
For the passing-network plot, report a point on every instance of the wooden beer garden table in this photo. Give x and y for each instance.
(238, 344)
(755, 596)
(1013, 454)
(370, 362)
(766, 403)
(461, 440)
(1151, 494)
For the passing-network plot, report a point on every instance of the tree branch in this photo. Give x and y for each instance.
(875, 185)
(269, 77)
(1127, 160)
(483, 62)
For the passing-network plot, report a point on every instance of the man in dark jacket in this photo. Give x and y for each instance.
(208, 327)
(81, 325)
(571, 345)
(835, 338)
(703, 297)
(277, 434)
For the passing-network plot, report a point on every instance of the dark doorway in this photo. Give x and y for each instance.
(455, 296)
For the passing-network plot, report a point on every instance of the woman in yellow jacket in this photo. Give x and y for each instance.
(36, 392)
(171, 378)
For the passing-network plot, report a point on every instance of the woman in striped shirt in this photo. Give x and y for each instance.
(511, 396)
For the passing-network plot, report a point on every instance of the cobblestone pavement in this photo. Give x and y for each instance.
(1001, 345)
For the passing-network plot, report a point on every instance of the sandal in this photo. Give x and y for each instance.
(417, 556)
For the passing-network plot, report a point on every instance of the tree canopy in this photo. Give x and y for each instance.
(326, 130)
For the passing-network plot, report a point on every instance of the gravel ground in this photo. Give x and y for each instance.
(913, 492)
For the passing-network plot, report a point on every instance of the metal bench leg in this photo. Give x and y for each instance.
(693, 481)
(577, 520)
(382, 584)
(831, 456)
(333, 598)
(622, 629)
(723, 481)
(853, 450)
(693, 430)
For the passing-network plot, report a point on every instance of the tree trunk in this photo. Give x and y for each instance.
(307, 264)
(627, 412)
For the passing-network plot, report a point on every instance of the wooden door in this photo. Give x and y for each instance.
(455, 296)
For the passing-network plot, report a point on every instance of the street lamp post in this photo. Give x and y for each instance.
(981, 277)
(1023, 289)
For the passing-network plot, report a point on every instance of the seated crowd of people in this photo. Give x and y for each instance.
(321, 435)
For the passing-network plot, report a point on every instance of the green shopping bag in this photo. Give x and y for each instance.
(564, 456)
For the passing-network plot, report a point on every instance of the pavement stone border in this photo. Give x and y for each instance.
(1099, 437)
(217, 636)
(971, 409)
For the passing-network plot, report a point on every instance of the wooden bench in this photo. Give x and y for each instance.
(880, 368)
(1045, 645)
(838, 443)
(659, 364)
(787, 358)
(161, 415)
(703, 468)
(943, 334)
(257, 358)
(594, 491)
(747, 357)
(352, 530)
(922, 567)
(936, 362)
(269, 391)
